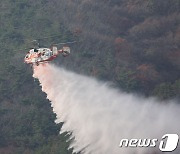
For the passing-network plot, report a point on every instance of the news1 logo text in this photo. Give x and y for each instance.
(168, 142)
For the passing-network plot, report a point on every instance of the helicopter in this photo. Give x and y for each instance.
(38, 55)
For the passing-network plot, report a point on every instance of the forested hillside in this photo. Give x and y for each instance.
(133, 43)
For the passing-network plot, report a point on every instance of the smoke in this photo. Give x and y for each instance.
(99, 116)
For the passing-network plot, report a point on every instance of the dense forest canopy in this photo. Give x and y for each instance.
(133, 43)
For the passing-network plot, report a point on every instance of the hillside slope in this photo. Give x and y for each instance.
(134, 43)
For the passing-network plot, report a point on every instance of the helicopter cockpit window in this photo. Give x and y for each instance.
(35, 50)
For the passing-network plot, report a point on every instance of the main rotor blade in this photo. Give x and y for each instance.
(65, 43)
(30, 40)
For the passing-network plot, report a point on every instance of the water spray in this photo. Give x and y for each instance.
(100, 116)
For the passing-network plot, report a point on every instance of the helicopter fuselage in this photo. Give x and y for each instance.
(42, 55)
